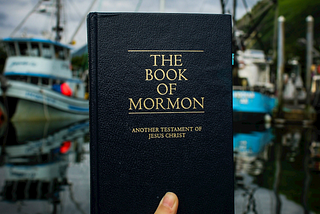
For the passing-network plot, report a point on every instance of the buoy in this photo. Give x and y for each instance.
(65, 89)
(65, 147)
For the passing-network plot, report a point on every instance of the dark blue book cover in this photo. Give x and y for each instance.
(160, 112)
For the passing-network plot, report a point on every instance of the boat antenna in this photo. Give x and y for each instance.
(25, 18)
(58, 28)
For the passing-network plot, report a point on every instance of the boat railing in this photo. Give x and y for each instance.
(260, 89)
(49, 82)
(41, 81)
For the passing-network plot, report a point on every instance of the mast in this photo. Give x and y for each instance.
(222, 6)
(58, 28)
(234, 14)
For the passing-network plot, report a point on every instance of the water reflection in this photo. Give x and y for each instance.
(249, 142)
(44, 168)
(34, 162)
(276, 169)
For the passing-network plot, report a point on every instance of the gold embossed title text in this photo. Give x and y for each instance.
(168, 71)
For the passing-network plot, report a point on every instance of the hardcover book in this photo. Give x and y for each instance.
(160, 112)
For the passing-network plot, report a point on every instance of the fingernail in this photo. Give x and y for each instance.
(168, 200)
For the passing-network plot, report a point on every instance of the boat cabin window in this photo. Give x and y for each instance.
(34, 80)
(35, 50)
(11, 49)
(44, 81)
(56, 82)
(23, 48)
(59, 52)
(20, 78)
(46, 51)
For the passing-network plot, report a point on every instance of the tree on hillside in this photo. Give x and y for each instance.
(80, 63)
(295, 13)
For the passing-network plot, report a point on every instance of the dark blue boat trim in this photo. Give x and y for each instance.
(8, 39)
(10, 73)
(78, 109)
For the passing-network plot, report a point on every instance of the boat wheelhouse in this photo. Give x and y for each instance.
(253, 92)
(36, 76)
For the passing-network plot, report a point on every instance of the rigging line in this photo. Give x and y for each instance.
(234, 10)
(245, 5)
(201, 6)
(226, 2)
(65, 23)
(99, 5)
(138, 6)
(51, 21)
(268, 5)
(223, 6)
(45, 106)
(247, 11)
(77, 204)
(73, 5)
(25, 19)
(45, 23)
(82, 21)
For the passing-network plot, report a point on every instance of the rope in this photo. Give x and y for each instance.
(25, 19)
(45, 106)
(138, 6)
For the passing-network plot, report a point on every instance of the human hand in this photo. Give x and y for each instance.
(168, 204)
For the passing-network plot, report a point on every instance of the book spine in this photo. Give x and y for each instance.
(92, 54)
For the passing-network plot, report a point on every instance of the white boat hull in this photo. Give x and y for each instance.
(27, 102)
(30, 110)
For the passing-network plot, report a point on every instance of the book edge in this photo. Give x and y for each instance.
(92, 48)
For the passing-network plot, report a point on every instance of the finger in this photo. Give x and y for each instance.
(168, 204)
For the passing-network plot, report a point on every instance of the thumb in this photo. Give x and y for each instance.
(168, 204)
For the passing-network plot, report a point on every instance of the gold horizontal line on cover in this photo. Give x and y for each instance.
(177, 112)
(181, 51)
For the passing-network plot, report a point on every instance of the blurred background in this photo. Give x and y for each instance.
(44, 109)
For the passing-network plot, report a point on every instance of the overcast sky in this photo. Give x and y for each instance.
(12, 12)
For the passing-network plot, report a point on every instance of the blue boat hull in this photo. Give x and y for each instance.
(252, 106)
(251, 143)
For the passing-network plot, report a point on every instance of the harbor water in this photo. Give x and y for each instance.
(45, 168)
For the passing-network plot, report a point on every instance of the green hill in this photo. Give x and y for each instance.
(295, 13)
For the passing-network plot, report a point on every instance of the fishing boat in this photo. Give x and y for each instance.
(34, 75)
(253, 92)
(37, 82)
